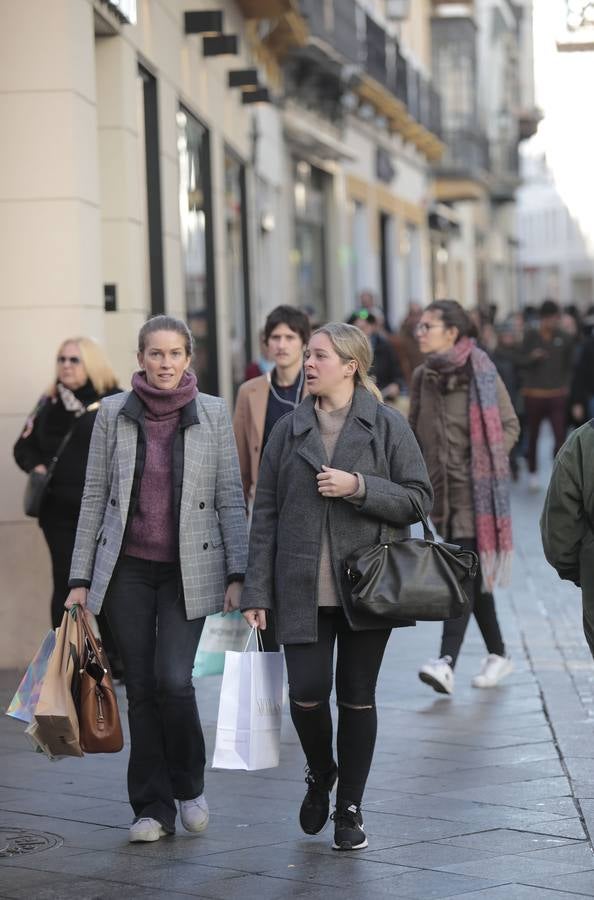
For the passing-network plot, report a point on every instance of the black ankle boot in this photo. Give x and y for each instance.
(313, 814)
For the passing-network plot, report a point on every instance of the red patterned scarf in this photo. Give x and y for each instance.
(489, 460)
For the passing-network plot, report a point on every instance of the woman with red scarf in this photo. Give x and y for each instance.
(466, 426)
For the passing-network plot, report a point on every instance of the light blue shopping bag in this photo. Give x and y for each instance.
(220, 633)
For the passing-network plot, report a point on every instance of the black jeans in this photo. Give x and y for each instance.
(60, 533)
(145, 608)
(310, 669)
(482, 604)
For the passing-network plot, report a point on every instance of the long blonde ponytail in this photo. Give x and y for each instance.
(349, 343)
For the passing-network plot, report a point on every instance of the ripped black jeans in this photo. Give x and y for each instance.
(310, 668)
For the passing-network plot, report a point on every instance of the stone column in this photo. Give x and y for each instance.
(50, 259)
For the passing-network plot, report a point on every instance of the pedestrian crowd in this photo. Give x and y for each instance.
(159, 509)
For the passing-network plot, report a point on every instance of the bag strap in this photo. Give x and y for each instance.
(64, 442)
(255, 632)
(388, 532)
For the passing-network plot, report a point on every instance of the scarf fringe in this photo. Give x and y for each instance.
(496, 568)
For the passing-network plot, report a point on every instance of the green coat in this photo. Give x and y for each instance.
(566, 521)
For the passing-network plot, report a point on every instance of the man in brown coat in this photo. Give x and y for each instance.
(262, 401)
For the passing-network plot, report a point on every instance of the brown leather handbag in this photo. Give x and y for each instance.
(98, 714)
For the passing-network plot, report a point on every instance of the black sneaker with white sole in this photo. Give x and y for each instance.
(315, 808)
(348, 828)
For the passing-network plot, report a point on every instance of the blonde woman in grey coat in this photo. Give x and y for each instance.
(161, 543)
(332, 472)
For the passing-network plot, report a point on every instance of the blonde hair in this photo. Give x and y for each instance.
(96, 364)
(350, 343)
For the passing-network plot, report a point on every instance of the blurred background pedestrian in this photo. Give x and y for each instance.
(385, 367)
(83, 377)
(546, 361)
(466, 426)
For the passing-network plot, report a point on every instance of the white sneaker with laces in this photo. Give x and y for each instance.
(194, 814)
(146, 830)
(438, 674)
(494, 668)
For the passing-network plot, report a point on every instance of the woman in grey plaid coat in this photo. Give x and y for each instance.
(161, 543)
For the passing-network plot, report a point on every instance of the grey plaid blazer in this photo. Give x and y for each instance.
(212, 519)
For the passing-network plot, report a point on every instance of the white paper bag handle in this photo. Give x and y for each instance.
(259, 642)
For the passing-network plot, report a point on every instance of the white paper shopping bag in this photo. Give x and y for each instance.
(250, 711)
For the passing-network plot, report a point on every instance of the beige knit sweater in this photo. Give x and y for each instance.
(331, 424)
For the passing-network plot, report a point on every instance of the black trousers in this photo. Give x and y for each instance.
(146, 610)
(60, 534)
(310, 668)
(482, 604)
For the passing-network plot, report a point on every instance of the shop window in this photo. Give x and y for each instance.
(238, 306)
(148, 121)
(309, 252)
(197, 245)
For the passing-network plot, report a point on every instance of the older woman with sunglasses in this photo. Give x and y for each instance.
(83, 376)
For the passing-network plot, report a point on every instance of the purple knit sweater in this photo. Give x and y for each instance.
(152, 530)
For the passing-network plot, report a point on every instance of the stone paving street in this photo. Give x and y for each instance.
(488, 794)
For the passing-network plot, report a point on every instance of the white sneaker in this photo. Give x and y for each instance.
(194, 814)
(438, 674)
(146, 830)
(533, 483)
(493, 670)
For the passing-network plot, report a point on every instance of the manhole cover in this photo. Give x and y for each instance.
(18, 841)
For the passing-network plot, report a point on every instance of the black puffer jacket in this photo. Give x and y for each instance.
(41, 437)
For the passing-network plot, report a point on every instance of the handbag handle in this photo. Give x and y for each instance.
(259, 642)
(85, 634)
(387, 531)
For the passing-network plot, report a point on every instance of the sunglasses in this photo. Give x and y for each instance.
(73, 360)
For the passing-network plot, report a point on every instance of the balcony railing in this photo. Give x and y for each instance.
(375, 51)
(336, 24)
(467, 150)
(358, 39)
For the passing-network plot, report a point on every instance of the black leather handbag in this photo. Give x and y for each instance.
(38, 482)
(410, 578)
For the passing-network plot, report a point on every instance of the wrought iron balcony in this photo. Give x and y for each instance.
(467, 152)
(344, 39)
(335, 24)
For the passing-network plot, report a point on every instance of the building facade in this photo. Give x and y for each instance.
(555, 215)
(213, 158)
(482, 60)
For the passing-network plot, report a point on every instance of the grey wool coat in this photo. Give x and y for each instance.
(212, 515)
(290, 515)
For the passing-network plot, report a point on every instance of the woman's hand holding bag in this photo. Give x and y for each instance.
(256, 618)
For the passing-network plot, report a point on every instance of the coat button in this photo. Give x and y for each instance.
(202, 505)
(104, 541)
(113, 503)
(205, 545)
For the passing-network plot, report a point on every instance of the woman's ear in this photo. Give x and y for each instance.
(140, 360)
(454, 332)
